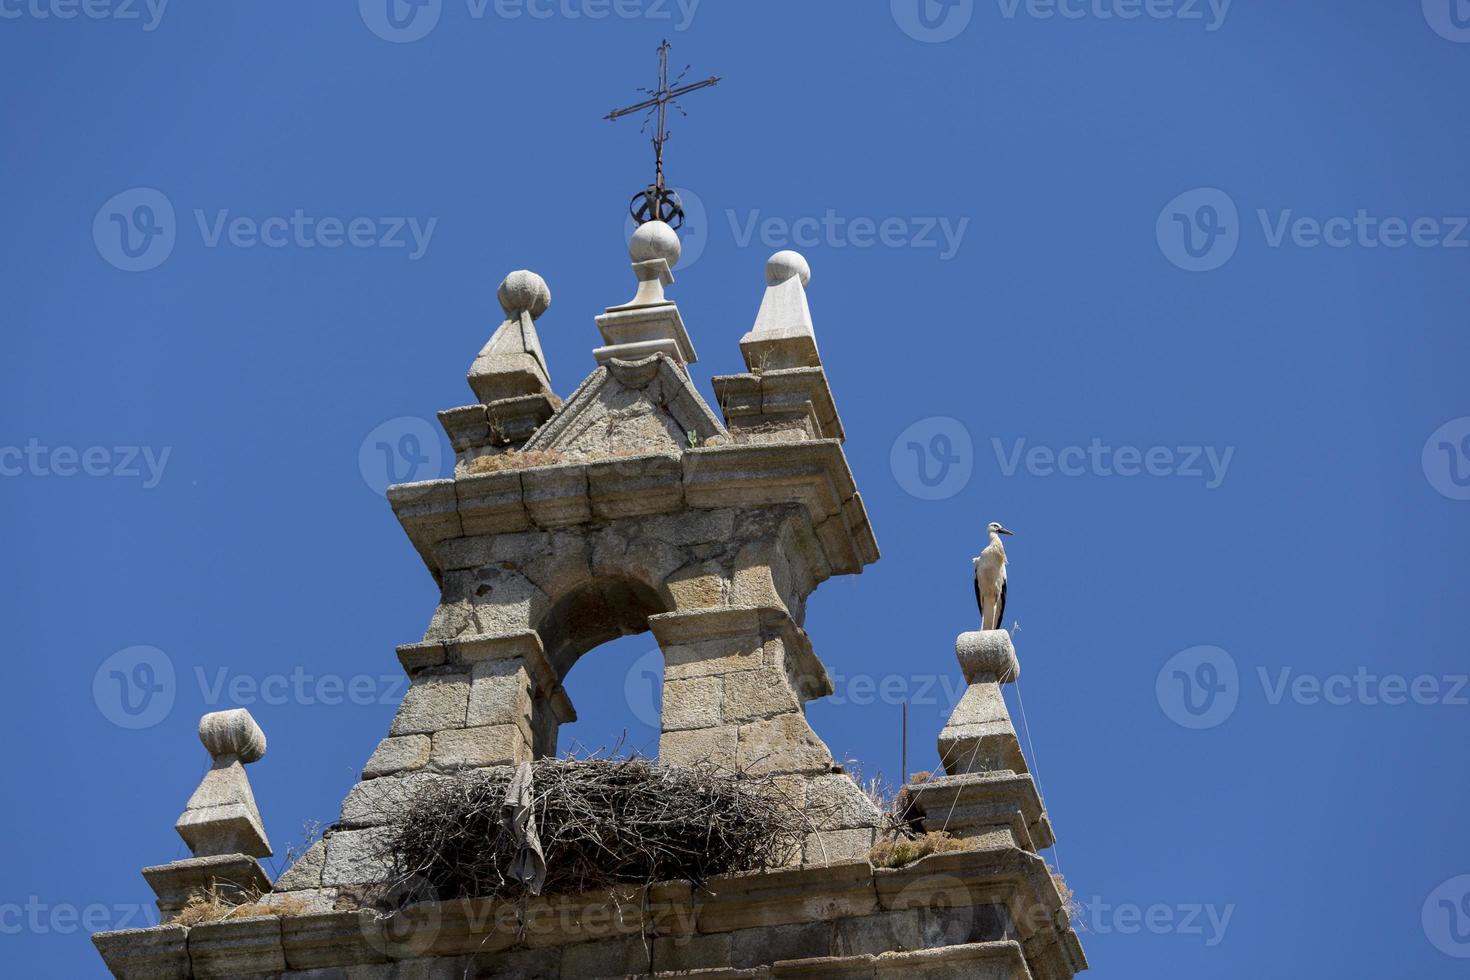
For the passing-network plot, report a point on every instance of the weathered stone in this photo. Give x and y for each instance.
(376, 802)
(306, 872)
(159, 953)
(759, 693)
(500, 694)
(684, 953)
(357, 857)
(612, 958)
(236, 947)
(987, 655)
(433, 703)
(221, 817)
(767, 944)
(693, 703)
(839, 846)
(396, 755)
(685, 748)
(330, 939)
(835, 802)
(475, 748)
(785, 743)
(234, 877)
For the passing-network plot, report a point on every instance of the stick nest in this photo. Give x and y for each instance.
(602, 822)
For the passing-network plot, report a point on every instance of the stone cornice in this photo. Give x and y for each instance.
(1003, 876)
(812, 474)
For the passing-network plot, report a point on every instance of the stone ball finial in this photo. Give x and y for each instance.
(524, 292)
(655, 240)
(987, 654)
(232, 733)
(787, 265)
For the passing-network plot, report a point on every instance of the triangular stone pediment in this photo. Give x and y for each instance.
(631, 408)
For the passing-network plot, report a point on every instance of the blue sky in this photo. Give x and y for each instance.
(1220, 248)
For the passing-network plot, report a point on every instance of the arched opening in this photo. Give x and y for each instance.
(618, 693)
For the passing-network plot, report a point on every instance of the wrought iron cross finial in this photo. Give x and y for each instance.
(657, 202)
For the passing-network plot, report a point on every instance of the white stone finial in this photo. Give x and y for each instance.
(512, 365)
(524, 292)
(783, 336)
(649, 323)
(655, 240)
(221, 817)
(232, 734)
(787, 265)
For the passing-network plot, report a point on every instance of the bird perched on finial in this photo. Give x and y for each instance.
(990, 579)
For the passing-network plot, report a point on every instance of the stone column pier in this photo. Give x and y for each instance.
(735, 683)
(987, 793)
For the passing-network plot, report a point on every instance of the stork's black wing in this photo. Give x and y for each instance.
(979, 603)
(1000, 613)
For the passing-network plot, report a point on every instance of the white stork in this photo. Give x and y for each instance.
(990, 579)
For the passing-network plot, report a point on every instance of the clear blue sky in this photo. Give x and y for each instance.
(1326, 540)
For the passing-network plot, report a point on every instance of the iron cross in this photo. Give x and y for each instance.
(657, 202)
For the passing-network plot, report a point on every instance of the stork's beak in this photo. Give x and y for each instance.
(1006, 531)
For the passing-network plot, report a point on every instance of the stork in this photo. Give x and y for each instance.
(990, 579)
